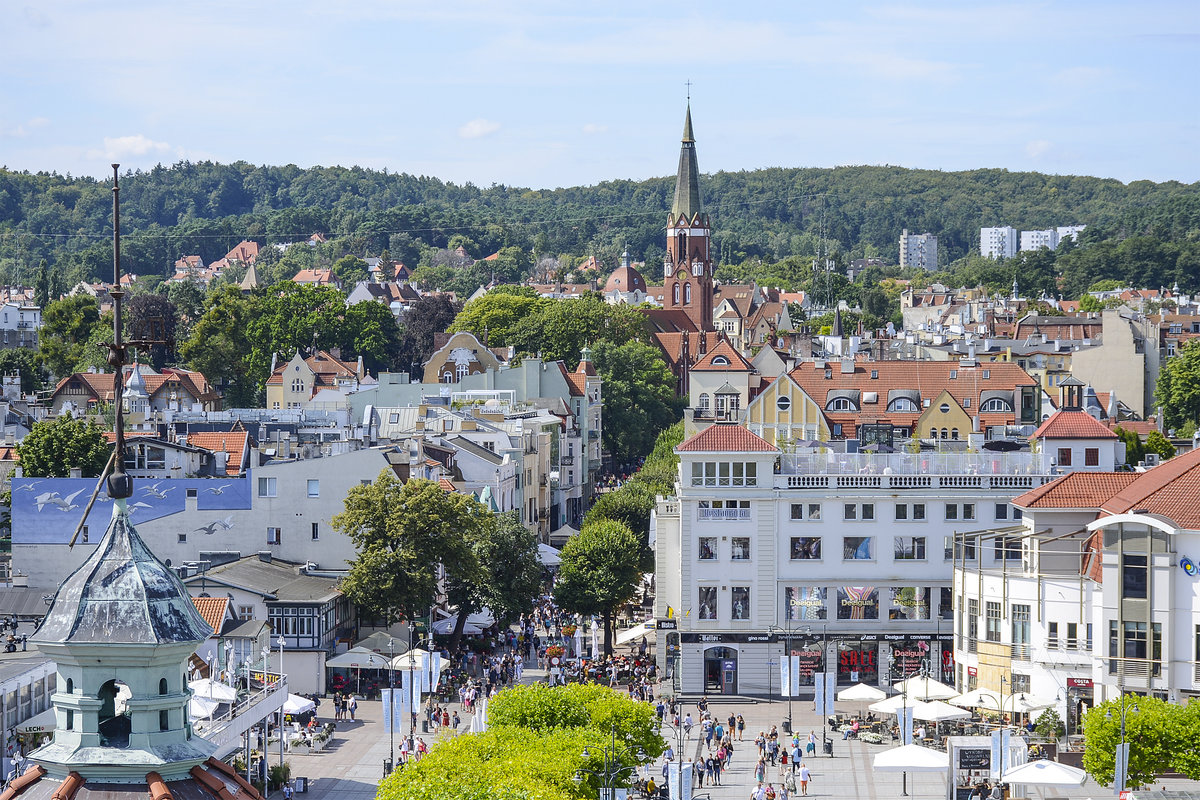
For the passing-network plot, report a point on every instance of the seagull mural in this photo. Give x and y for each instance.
(153, 491)
(28, 487)
(223, 524)
(134, 507)
(55, 499)
(218, 489)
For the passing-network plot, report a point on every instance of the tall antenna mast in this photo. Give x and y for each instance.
(120, 485)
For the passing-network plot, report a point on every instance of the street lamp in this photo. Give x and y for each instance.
(278, 682)
(681, 738)
(922, 671)
(391, 709)
(1121, 757)
(613, 772)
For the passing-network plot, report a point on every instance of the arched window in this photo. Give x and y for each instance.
(70, 686)
(720, 361)
(996, 405)
(841, 404)
(687, 294)
(298, 385)
(954, 434)
(447, 377)
(675, 294)
(902, 404)
(162, 685)
(704, 402)
(933, 433)
(945, 433)
(462, 369)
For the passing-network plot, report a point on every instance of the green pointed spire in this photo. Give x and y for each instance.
(687, 181)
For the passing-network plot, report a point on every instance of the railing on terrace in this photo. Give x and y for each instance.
(225, 729)
(913, 471)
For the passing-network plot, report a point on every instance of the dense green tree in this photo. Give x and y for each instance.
(24, 362)
(1156, 730)
(1178, 387)
(55, 446)
(599, 573)
(67, 326)
(350, 270)
(428, 316)
(631, 506)
(220, 347)
(495, 316)
(1135, 451)
(1157, 443)
(401, 532)
(371, 331)
(638, 382)
(562, 329)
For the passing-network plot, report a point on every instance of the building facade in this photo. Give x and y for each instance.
(998, 242)
(918, 250)
(845, 559)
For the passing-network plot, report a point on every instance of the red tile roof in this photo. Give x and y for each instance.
(213, 610)
(726, 437)
(1170, 489)
(1076, 490)
(1140, 427)
(231, 442)
(735, 362)
(1072, 425)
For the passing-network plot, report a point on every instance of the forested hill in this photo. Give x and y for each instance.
(769, 214)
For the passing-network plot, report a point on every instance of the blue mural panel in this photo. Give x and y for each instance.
(46, 510)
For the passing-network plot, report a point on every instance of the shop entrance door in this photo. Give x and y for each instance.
(720, 670)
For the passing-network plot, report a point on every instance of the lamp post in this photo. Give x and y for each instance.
(1121, 757)
(279, 681)
(680, 737)
(922, 671)
(613, 772)
(391, 709)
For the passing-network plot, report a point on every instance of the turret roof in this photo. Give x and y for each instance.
(687, 180)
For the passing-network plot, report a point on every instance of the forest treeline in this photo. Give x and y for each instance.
(1142, 230)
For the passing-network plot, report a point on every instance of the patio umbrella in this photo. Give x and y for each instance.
(912, 758)
(201, 707)
(861, 693)
(893, 704)
(360, 658)
(1024, 703)
(937, 711)
(295, 704)
(1044, 773)
(213, 690)
(978, 698)
(446, 626)
(923, 688)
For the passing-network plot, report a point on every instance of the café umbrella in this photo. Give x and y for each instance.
(923, 688)
(1044, 773)
(977, 698)
(912, 758)
(937, 711)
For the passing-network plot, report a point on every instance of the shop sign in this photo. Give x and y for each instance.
(972, 671)
(720, 638)
(1079, 683)
(974, 758)
(666, 625)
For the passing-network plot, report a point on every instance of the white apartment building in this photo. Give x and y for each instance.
(844, 559)
(19, 325)
(998, 242)
(1036, 240)
(1093, 596)
(918, 250)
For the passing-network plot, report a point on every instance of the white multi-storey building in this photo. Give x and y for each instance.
(998, 242)
(847, 558)
(1036, 240)
(918, 250)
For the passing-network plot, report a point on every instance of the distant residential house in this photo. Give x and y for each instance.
(19, 325)
(459, 355)
(399, 297)
(296, 383)
(317, 277)
(146, 391)
(234, 641)
(245, 253)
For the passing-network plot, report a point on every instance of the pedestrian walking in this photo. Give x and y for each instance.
(805, 777)
(741, 726)
(352, 706)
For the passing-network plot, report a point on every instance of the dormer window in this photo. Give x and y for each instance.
(841, 404)
(903, 404)
(996, 405)
(720, 361)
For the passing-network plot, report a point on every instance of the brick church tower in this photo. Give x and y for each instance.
(687, 269)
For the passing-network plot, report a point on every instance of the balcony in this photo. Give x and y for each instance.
(724, 513)
(225, 730)
(1020, 652)
(593, 435)
(566, 461)
(925, 470)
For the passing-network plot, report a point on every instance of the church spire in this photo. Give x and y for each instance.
(687, 180)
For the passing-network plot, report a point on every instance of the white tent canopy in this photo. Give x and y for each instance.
(1024, 703)
(978, 698)
(861, 693)
(43, 722)
(445, 627)
(636, 632)
(295, 704)
(359, 657)
(912, 758)
(923, 688)
(213, 690)
(202, 707)
(1044, 773)
(548, 555)
(937, 711)
(893, 704)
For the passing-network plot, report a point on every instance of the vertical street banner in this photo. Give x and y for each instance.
(904, 717)
(825, 685)
(1001, 740)
(674, 777)
(423, 668)
(393, 710)
(437, 669)
(785, 677)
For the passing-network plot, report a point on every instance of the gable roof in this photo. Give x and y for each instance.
(736, 362)
(213, 610)
(726, 437)
(245, 251)
(1170, 490)
(1076, 490)
(1072, 425)
(231, 442)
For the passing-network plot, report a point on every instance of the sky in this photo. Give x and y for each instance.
(550, 94)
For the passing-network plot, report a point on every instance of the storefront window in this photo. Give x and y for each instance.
(858, 602)
(908, 656)
(909, 603)
(805, 602)
(708, 602)
(858, 662)
(740, 602)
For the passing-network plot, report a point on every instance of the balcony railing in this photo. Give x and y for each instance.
(869, 481)
(1020, 652)
(1196, 673)
(566, 461)
(725, 513)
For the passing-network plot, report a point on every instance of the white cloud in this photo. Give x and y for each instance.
(1037, 148)
(594, 127)
(478, 128)
(23, 129)
(126, 146)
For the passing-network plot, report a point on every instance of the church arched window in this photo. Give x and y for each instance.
(675, 294)
(687, 294)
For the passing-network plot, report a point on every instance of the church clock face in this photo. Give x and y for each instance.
(682, 275)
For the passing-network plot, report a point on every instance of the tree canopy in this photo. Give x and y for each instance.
(1178, 387)
(55, 446)
(599, 572)
(401, 532)
(1162, 738)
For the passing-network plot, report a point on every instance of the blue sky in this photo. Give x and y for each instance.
(548, 94)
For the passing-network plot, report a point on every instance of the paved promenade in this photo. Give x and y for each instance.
(353, 766)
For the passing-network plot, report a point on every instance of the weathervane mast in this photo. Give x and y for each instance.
(120, 485)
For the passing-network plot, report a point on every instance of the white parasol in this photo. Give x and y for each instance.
(861, 693)
(912, 758)
(1044, 773)
(923, 688)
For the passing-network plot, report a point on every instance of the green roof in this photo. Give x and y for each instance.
(687, 181)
